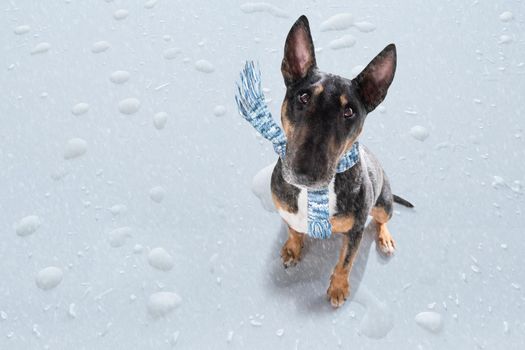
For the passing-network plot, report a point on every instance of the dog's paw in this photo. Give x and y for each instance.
(338, 290)
(291, 252)
(385, 243)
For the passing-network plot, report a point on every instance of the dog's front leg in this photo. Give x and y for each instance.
(339, 288)
(291, 251)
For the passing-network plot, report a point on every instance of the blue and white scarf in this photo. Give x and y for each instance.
(252, 107)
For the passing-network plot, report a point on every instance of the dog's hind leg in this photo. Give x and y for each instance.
(382, 212)
(291, 251)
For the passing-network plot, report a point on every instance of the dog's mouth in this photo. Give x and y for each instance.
(310, 163)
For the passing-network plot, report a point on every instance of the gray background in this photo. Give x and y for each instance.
(461, 248)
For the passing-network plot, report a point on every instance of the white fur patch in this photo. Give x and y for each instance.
(299, 220)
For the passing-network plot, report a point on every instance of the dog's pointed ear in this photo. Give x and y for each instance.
(299, 56)
(374, 80)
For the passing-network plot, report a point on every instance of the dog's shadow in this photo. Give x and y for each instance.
(305, 284)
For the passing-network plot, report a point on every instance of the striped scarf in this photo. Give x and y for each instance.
(252, 107)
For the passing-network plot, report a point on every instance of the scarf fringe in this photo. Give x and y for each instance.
(252, 107)
(320, 229)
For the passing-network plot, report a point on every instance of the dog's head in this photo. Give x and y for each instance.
(323, 114)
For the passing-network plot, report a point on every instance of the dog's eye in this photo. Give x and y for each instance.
(304, 98)
(348, 113)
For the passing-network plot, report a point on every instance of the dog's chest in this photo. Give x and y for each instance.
(299, 220)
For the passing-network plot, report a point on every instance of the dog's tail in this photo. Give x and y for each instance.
(402, 201)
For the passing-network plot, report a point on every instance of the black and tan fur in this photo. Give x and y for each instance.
(322, 116)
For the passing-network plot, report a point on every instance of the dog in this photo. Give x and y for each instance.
(322, 116)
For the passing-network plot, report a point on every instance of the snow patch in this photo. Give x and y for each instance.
(117, 238)
(261, 184)
(160, 119)
(256, 323)
(340, 21)
(150, 4)
(219, 110)
(365, 27)
(160, 259)
(129, 106)
(28, 225)
(430, 321)
(343, 42)
(419, 133)
(506, 16)
(171, 53)
(498, 182)
(75, 148)
(505, 39)
(100, 46)
(49, 277)
(117, 209)
(120, 14)
(162, 303)
(119, 76)
(72, 310)
(174, 338)
(22, 29)
(41, 48)
(252, 7)
(378, 321)
(80, 108)
(204, 66)
(157, 194)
